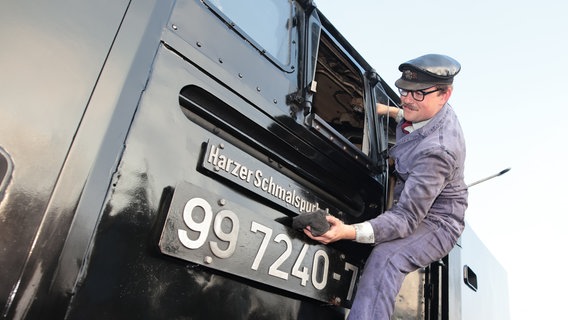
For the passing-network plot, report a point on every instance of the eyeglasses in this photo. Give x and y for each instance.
(418, 95)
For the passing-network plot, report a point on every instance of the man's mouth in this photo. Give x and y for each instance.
(409, 107)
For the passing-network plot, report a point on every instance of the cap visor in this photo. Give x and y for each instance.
(412, 86)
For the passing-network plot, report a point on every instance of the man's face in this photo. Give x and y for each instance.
(417, 111)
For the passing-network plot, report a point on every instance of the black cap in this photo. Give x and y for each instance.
(427, 71)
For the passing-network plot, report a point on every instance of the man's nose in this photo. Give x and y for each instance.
(407, 98)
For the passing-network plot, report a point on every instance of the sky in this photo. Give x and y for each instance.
(508, 97)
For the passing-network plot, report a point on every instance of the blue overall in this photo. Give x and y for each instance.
(427, 217)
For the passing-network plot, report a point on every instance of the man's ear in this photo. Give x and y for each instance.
(448, 94)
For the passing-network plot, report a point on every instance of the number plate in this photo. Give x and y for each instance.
(203, 228)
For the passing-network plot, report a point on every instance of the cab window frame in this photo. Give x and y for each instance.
(245, 31)
(328, 128)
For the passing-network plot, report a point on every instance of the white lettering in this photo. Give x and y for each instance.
(271, 187)
(258, 180)
(236, 169)
(213, 155)
(302, 205)
(222, 163)
(288, 197)
(265, 185)
(243, 173)
(249, 176)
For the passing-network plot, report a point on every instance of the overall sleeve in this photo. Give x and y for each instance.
(429, 174)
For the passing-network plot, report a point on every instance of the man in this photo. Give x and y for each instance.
(427, 216)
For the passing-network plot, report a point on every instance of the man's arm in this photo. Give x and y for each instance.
(396, 113)
(428, 177)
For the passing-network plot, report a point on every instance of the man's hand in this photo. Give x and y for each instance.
(338, 231)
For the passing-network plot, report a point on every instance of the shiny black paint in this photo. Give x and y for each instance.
(61, 125)
(163, 148)
(92, 120)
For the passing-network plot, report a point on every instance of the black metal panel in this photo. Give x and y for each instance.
(127, 275)
(50, 61)
(237, 65)
(6, 167)
(266, 137)
(107, 141)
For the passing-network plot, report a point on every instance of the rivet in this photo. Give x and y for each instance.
(174, 27)
(207, 259)
(222, 202)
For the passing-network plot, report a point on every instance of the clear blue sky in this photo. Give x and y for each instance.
(508, 95)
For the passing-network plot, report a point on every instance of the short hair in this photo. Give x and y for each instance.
(443, 88)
